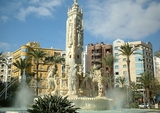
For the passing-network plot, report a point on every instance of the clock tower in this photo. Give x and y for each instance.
(74, 47)
(74, 35)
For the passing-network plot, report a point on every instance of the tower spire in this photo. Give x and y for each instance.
(75, 1)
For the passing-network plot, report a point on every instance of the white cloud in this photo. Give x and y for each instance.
(123, 18)
(4, 18)
(4, 46)
(39, 11)
(41, 8)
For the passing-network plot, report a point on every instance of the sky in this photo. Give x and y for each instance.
(44, 21)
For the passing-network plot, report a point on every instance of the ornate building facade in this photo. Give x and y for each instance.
(22, 52)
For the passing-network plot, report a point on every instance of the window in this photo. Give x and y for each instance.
(139, 59)
(57, 53)
(124, 66)
(137, 79)
(41, 68)
(49, 54)
(116, 48)
(125, 73)
(138, 72)
(139, 65)
(124, 59)
(116, 66)
(116, 60)
(116, 54)
(24, 49)
(23, 57)
(41, 75)
(77, 56)
(116, 73)
(139, 51)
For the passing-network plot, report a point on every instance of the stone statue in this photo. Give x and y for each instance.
(98, 78)
(52, 79)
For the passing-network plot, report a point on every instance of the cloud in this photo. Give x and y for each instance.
(41, 8)
(40, 11)
(4, 18)
(4, 46)
(122, 18)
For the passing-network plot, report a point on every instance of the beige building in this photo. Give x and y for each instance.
(22, 52)
(138, 63)
(157, 67)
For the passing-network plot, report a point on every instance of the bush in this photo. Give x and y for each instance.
(52, 104)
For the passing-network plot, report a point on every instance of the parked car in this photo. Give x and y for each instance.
(143, 105)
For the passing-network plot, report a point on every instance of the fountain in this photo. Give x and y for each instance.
(24, 95)
(85, 91)
(23, 99)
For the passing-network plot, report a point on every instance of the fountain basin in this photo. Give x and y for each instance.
(86, 103)
(12, 110)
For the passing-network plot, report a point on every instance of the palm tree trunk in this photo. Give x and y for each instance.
(37, 65)
(129, 76)
(148, 98)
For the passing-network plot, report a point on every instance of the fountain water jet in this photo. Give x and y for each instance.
(24, 95)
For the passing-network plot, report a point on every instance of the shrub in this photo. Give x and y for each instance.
(52, 104)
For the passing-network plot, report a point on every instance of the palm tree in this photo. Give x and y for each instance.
(157, 53)
(108, 60)
(22, 64)
(38, 56)
(121, 80)
(55, 60)
(147, 80)
(127, 50)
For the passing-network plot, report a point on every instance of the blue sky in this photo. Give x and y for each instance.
(44, 21)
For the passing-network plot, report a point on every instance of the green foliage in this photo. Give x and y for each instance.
(157, 53)
(22, 64)
(52, 104)
(38, 55)
(127, 50)
(11, 94)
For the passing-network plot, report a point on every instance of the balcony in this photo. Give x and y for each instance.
(96, 54)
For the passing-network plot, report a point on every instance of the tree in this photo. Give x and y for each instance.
(22, 64)
(55, 60)
(108, 61)
(52, 104)
(121, 81)
(127, 50)
(157, 53)
(38, 56)
(147, 80)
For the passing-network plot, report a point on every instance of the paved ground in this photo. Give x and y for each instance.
(125, 111)
(14, 110)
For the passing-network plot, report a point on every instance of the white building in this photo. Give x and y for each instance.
(138, 63)
(156, 61)
(5, 67)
